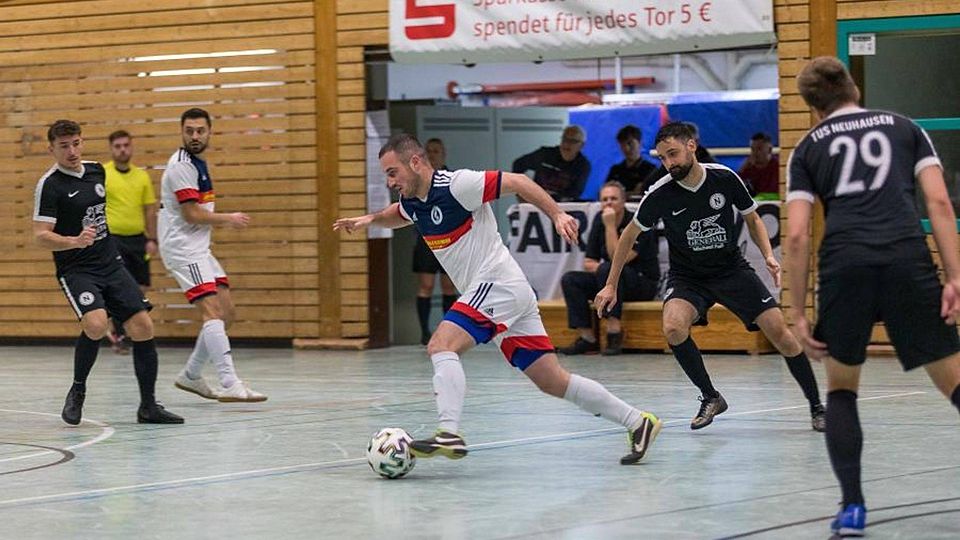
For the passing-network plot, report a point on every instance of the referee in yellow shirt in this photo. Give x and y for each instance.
(131, 216)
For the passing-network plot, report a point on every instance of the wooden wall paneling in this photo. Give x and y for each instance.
(263, 154)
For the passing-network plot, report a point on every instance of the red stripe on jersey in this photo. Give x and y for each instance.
(528, 343)
(491, 185)
(441, 241)
(478, 317)
(202, 289)
(188, 194)
(223, 282)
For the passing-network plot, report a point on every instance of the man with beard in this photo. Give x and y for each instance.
(696, 202)
(186, 219)
(451, 210)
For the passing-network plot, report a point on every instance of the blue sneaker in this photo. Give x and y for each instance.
(850, 521)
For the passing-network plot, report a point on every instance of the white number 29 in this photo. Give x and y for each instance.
(879, 160)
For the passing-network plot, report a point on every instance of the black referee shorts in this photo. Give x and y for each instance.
(739, 290)
(424, 261)
(904, 295)
(116, 291)
(133, 251)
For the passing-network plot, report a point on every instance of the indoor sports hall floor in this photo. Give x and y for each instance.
(293, 467)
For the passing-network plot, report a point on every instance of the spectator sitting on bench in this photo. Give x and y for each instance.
(638, 281)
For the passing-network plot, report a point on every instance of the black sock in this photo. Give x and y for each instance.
(84, 356)
(845, 443)
(145, 366)
(423, 312)
(955, 397)
(799, 366)
(448, 301)
(691, 361)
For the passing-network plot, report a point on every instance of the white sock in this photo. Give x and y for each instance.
(449, 386)
(217, 344)
(592, 397)
(194, 367)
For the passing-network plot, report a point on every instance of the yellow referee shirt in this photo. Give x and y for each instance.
(127, 194)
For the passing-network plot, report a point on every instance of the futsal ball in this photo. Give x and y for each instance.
(389, 453)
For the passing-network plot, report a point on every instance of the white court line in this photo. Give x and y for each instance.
(241, 474)
(105, 433)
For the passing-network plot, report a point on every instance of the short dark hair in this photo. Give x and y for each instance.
(195, 113)
(62, 128)
(628, 132)
(434, 140)
(761, 136)
(119, 134)
(825, 84)
(682, 131)
(615, 184)
(404, 144)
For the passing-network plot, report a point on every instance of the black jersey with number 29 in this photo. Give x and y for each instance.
(862, 164)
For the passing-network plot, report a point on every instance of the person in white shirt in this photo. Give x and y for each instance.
(451, 211)
(185, 222)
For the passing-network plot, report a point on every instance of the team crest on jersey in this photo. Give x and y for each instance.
(100, 191)
(436, 215)
(413, 217)
(717, 200)
(85, 298)
(706, 233)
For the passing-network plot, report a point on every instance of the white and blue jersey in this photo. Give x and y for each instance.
(459, 227)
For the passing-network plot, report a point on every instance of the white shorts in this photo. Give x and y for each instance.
(200, 278)
(508, 314)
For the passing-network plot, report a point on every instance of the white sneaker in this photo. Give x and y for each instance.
(240, 392)
(195, 386)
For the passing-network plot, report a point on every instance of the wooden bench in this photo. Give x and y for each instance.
(643, 329)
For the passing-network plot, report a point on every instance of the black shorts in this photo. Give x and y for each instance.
(115, 291)
(904, 295)
(740, 291)
(424, 261)
(133, 251)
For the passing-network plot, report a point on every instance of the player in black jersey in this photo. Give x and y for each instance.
(70, 219)
(696, 202)
(874, 264)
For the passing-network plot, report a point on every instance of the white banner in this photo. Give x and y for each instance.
(469, 31)
(545, 257)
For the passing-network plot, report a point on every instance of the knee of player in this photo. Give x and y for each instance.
(675, 331)
(95, 325)
(139, 327)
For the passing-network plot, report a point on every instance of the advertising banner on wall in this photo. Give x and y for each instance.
(470, 31)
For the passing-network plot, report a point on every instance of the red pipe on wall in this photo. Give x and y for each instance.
(454, 89)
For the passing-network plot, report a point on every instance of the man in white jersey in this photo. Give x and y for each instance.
(451, 212)
(186, 219)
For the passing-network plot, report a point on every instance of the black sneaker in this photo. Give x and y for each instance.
(641, 437)
(818, 418)
(156, 414)
(73, 406)
(709, 407)
(580, 346)
(614, 344)
(443, 443)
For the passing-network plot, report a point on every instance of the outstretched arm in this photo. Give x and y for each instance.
(567, 227)
(608, 294)
(760, 236)
(389, 218)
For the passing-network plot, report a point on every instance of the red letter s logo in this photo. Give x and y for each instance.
(430, 31)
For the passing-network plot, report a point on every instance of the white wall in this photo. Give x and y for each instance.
(430, 81)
